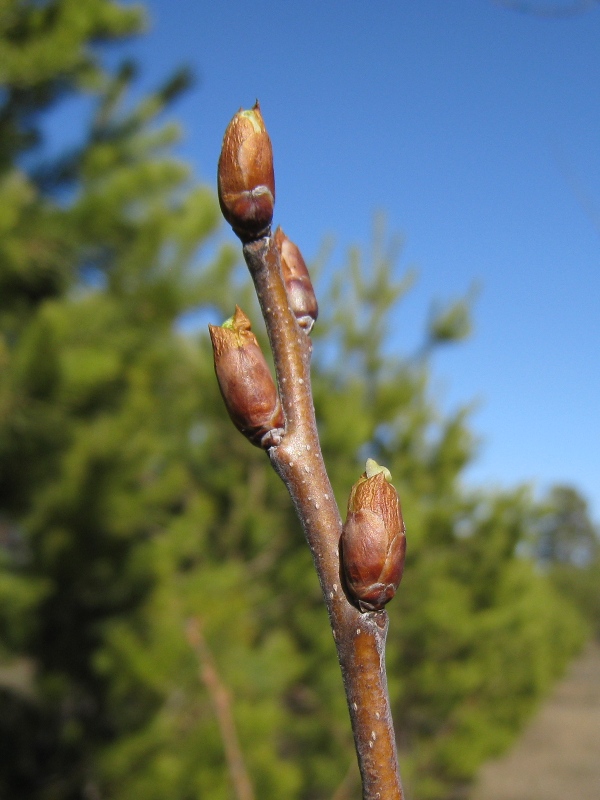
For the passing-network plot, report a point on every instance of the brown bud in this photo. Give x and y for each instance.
(245, 177)
(373, 539)
(301, 294)
(246, 382)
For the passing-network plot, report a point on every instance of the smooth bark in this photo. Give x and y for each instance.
(359, 637)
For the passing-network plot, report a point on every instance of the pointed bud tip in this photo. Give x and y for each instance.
(255, 117)
(238, 321)
(229, 323)
(372, 468)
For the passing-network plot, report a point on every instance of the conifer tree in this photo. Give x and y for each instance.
(566, 543)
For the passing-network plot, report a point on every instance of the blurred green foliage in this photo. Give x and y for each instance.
(128, 502)
(566, 544)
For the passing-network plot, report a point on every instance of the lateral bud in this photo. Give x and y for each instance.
(245, 177)
(298, 284)
(246, 382)
(373, 539)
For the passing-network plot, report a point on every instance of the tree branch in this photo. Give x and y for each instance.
(283, 423)
(359, 637)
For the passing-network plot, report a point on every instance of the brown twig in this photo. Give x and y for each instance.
(283, 423)
(359, 637)
(222, 705)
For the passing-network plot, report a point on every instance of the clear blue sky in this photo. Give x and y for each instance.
(477, 130)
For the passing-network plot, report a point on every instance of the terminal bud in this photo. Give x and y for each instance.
(373, 539)
(297, 281)
(246, 382)
(245, 177)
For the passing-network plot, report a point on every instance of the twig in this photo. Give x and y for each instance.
(282, 421)
(359, 637)
(222, 705)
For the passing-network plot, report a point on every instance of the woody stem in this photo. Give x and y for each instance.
(359, 637)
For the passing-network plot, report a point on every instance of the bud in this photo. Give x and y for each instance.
(373, 539)
(245, 176)
(246, 382)
(297, 281)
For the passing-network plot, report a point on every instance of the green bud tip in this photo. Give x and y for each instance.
(250, 114)
(229, 324)
(372, 468)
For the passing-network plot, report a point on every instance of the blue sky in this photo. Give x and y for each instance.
(476, 129)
